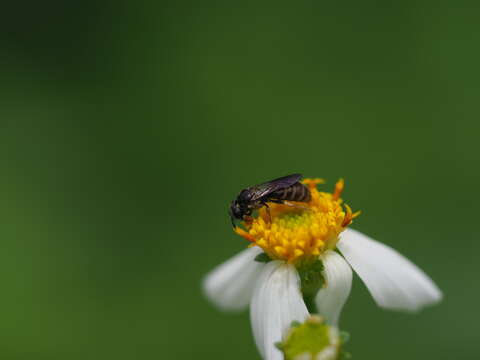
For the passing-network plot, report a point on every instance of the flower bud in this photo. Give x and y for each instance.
(312, 340)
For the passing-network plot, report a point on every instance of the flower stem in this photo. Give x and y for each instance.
(310, 303)
(311, 282)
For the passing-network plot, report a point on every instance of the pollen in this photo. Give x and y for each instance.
(298, 231)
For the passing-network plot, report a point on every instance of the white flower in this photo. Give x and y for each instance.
(273, 289)
(292, 239)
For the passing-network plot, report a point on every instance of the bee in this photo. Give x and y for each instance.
(277, 191)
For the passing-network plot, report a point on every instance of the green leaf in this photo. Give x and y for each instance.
(263, 258)
(344, 336)
(344, 355)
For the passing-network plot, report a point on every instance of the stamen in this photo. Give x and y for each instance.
(348, 216)
(339, 186)
(244, 234)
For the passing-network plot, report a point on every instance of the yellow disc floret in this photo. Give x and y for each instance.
(298, 231)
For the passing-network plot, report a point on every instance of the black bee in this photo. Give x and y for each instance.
(275, 191)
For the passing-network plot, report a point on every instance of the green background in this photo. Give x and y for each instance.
(128, 127)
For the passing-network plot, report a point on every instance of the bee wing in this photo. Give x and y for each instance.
(268, 187)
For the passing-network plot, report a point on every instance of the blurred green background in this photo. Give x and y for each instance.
(127, 128)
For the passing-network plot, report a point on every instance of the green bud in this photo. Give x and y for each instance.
(312, 340)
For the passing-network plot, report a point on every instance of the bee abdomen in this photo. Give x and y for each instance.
(296, 192)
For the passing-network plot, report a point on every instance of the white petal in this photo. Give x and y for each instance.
(338, 281)
(329, 353)
(334, 336)
(230, 285)
(276, 302)
(393, 280)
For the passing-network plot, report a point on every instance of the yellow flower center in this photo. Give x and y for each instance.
(299, 231)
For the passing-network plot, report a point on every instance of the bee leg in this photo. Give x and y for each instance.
(268, 212)
(276, 201)
(284, 202)
(295, 205)
(248, 219)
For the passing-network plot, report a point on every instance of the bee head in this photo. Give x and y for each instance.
(245, 196)
(236, 211)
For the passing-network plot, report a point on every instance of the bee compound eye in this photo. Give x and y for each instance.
(245, 195)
